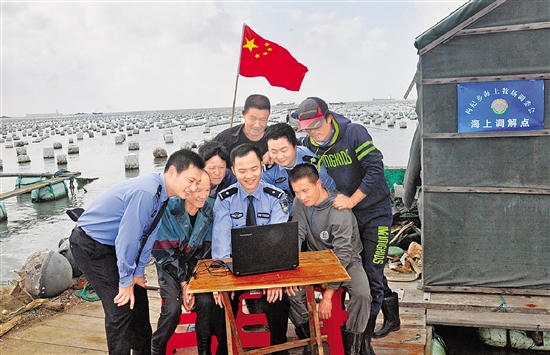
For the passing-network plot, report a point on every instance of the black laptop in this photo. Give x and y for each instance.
(265, 248)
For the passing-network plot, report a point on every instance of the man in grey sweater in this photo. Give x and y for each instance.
(324, 227)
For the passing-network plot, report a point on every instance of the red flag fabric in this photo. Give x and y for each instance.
(260, 57)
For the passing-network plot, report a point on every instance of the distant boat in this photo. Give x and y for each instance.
(389, 98)
(97, 113)
(285, 103)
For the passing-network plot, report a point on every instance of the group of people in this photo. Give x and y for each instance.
(331, 181)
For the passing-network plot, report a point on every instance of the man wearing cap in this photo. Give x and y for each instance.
(350, 157)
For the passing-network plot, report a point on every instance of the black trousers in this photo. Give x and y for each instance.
(169, 318)
(125, 328)
(211, 319)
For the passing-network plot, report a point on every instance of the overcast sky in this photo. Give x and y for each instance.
(103, 56)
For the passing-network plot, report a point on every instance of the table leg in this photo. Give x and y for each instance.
(314, 328)
(230, 326)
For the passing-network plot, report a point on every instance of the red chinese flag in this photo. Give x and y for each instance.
(260, 57)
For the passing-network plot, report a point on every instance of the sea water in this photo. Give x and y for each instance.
(32, 227)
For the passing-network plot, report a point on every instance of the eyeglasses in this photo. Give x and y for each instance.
(214, 268)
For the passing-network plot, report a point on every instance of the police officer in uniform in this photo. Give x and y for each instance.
(232, 210)
(282, 146)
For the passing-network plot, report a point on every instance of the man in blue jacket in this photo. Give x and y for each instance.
(347, 151)
(184, 237)
(282, 146)
(112, 241)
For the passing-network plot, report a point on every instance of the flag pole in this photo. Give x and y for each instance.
(234, 99)
(237, 80)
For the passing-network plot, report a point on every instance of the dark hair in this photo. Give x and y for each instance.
(212, 148)
(243, 149)
(303, 171)
(281, 130)
(257, 101)
(182, 159)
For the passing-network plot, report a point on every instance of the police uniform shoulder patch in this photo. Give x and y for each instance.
(310, 159)
(226, 193)
(280, 179)
(273, 192)
(266, 167)
(284, 205)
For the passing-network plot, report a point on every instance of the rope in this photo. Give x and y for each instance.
(71, 180)
(502, 305)
(86, 293)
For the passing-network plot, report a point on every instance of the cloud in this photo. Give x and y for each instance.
(122, 56)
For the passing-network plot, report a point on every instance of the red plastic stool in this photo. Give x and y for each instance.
(251, 339)
(185, 339)
(331, 327)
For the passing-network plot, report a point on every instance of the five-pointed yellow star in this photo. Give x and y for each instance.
(250, 44)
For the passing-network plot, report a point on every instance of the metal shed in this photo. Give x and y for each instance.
(485, 177)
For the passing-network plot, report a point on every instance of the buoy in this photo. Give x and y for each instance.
(61, 159)
(49, 153)
(131, 161)
(21, 151)
(23, 181)
(119, 139)
(72, 149)
(45, 274)
(51, 192)
(23, 158)
(186, 145)
(168, 138)
(133, 145)
(3, 213)
(160, 153)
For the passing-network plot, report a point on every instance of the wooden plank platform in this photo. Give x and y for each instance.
(31, 187)
(48, 175)
(532, 322)
(80, 329)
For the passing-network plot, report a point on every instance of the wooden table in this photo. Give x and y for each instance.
(316, 267)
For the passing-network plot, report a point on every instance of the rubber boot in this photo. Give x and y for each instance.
(366, 348)
(302, 331)
(203, 345)
(353, 342)
(390, 310)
